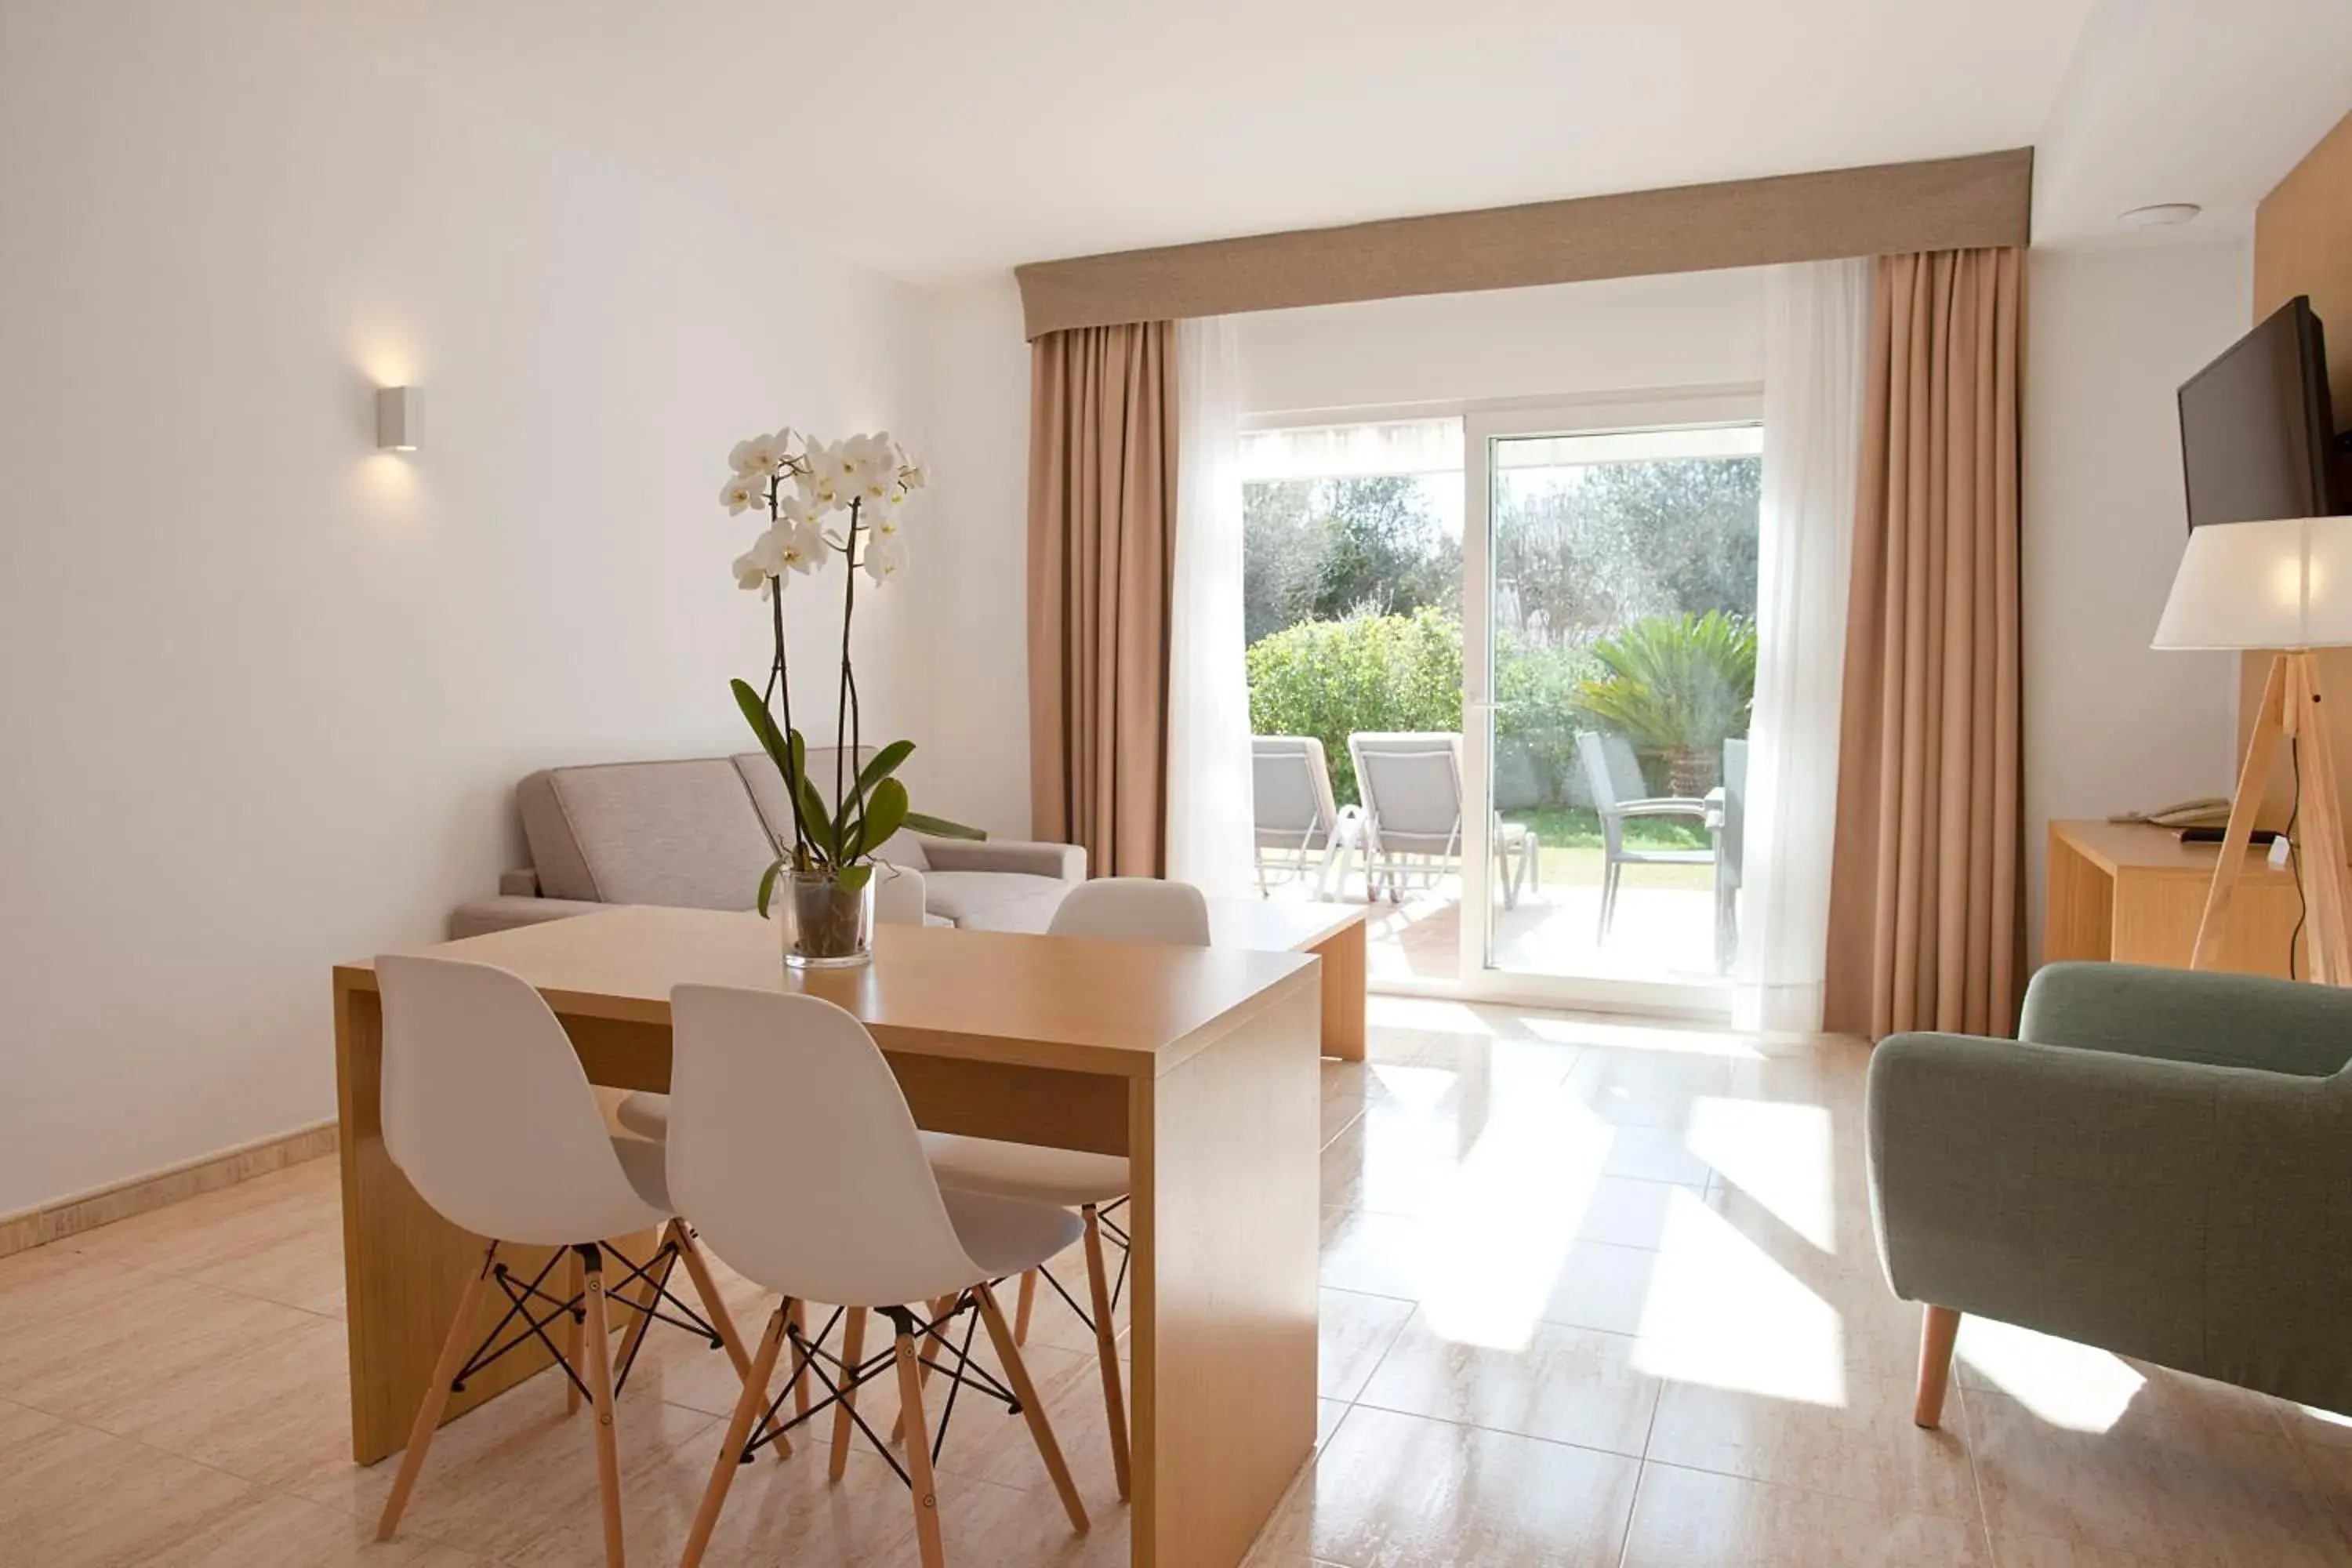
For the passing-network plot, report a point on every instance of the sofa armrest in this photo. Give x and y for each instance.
(1063, 862)
(2179, 1016)
(479, 917)
(2196, 1216)
(520, 883)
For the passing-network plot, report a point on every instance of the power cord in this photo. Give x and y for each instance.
(2294, 855)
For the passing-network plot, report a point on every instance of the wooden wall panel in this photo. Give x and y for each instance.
(2303, 244)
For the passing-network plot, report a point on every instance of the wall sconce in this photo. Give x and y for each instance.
(396, 423)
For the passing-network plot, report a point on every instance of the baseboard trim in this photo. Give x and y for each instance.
(45, 1223)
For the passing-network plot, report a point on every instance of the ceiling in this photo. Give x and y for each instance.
(940, 140)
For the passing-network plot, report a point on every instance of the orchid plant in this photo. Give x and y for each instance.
(847, 499)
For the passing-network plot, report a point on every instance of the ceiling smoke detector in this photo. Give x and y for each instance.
(2163, 214)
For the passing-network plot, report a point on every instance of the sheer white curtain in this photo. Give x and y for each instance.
(1209, 813)
(1816, 324)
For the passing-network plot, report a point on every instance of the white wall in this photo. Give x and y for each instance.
(2110, 724)
(972, 574)
(265, 690)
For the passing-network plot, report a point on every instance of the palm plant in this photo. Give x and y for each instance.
(1676, 686)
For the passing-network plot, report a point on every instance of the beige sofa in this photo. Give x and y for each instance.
(697, 833)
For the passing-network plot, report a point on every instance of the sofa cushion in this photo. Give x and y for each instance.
(994, 900)
(684, 834)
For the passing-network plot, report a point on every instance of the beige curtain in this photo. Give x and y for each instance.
(1925, 898)
(1102, 532)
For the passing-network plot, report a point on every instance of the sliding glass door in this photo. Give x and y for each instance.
(1609, 663)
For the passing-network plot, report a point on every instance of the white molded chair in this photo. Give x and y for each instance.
(791, 1145)
(1112, 909)
(1290, 782)
(488, 1113)
(1411, 785)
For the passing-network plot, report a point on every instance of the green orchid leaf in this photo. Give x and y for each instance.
(940, 827)
(853, 879)
(886, 813)
(886, 761)
(767, 886)
(763, 722)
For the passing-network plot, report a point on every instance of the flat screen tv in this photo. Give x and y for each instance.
(2257, 434)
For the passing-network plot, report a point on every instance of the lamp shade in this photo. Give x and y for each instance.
(2285, 585)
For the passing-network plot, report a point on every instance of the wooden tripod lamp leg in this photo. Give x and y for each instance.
(2319, 821)
(2261, 746)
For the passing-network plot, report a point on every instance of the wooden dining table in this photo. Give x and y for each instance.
(1199, 1065)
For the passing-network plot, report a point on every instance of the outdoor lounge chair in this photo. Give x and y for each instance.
(1615, 776)
(1411, 785)
(1295, 817)
(1727, 820)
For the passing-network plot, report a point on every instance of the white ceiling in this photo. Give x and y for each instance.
(938, 139)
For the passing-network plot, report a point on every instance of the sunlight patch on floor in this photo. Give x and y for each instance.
(2066, 1384)
(1778, 1152)
(1424, 1013)
(1640, 1038)
(1722, 1313)
(1493, 1256)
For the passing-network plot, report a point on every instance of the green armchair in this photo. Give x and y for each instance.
(2160, 1165)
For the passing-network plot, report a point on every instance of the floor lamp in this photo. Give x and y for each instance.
(2287, 586)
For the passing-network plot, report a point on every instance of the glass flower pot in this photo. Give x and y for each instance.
(824, 925)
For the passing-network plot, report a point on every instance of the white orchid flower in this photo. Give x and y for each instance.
(801, 508)
(912, 476)
(826, 483)
(743, 492)
(858, 468)
(885, 516)
(760, 456)
(751, 571)
(802, 546)
(886, 556)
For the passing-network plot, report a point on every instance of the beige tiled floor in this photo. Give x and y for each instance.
(1594, 1294)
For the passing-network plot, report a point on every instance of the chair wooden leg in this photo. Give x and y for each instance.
(1023, 1306)
(697, 1269)
(918, 1456)
(852, 1350)
(938, 1307)
(800, 1367)
(571, 1333)
(454, 1350)
(747, 1405)
(599, 1330)
(1106, 1348)
(1016, 1370)
(1939, 1327)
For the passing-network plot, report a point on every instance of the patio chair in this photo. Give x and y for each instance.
(1296, 816)
(1411, 785)
(1615, 776)
(1726, 821)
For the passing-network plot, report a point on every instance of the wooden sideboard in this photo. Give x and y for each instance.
(2130, 893)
